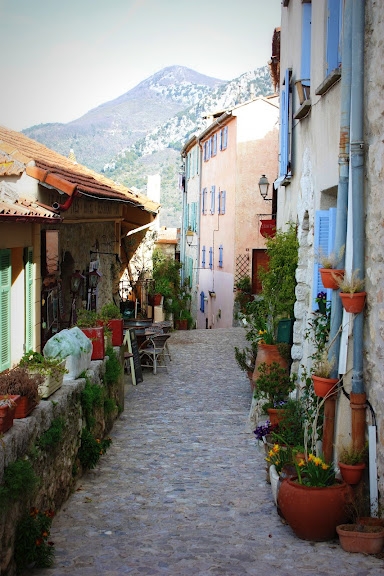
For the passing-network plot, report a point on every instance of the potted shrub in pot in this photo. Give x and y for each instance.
(323, 384)
(352, 292)
(52, 369)
(87, 322)
(7, 411)
(351, 464)
(274, 385)
(111, 317)
(18, 381)
(330, 270)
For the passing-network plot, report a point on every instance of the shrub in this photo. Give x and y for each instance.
(91, 449)
(53, 435)
(31, 543)
(19, 480)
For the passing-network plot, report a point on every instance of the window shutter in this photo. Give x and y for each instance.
(5, 309)
(202, 302)
(306, 44)
(334, 35)
(204, 201)
(324, 241)
(225, 137)
(221, 256)
(214, 144)
(211, 257)
(223, 198)
(186, 217)
(213, 193)
(190, 271)
(203, 256)
(284, 110)
(29, 301)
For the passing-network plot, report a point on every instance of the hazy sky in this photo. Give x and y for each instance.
(61, 59)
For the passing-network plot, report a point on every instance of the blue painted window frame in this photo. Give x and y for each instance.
(306, 44)
(323, 242)
(211, 257)
(203, 256)
(221, 249)
(334, 30)
(213, 195)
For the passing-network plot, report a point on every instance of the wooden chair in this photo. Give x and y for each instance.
(153, 351)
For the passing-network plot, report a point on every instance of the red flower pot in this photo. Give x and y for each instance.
(275, 415)
(351, 474)
(181, 324)
(324, 386)
(24, 407)
(7, 414)
(329, 275)
(353, 303)
(313, 513)
(116, 326)
(363, 539)
(96, 336)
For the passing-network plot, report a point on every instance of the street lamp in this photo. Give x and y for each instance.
(93, 280)
(76, 280)
(263, 187)
(189, 234)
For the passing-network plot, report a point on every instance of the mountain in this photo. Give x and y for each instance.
(141, 132)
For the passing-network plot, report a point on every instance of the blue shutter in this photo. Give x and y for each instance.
(186, 217)
(188, 166)
(213, 193)
(211, 257)
(221, 256)
(324, 241)
(190, 271)
(203, 256)
(306, 44)
(29, 301)
(5, 309)
(223, 198)
(202, 302)
(225, 137)
(284, 110)
(214, 144)
(334, 35)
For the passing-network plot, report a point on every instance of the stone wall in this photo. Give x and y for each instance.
(57, 467)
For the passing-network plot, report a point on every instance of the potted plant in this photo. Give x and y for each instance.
(323, 384)
(111, 317)
(166, 277)
(7, 411)
(330, 271)
(351, 464)
(363, 538)
(52, 369)
(313, 503)
(273, 384)
(243, 292)
(87, 322)
(351, 292)
(18, 381)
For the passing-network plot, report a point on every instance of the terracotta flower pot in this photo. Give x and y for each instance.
(268, 353)
(24, 407)
(351, 474)
(353, 303)
(116, 326)
(324, 386)
(359, 538)
(7, 414)
(329, 275)
(275, 415)
(313, 513)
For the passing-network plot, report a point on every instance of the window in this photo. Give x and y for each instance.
(214, 144)
(29, 300)
(192, 219)
(221, 201)
(203, 256)
(211, 257)
(207, 150)
(224, 138)
(213, 194)
(220, 256)
(204, 201)
(189, 267)
(285, 113)
(5, 309)
(334, 24)
(324, 241)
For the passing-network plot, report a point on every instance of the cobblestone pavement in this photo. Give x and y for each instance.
(182, 490)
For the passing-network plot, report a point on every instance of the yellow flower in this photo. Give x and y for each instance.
(324, 466)
(311, 457)
(271, 453)
(302, 463)
(276, 448)
(318, 461)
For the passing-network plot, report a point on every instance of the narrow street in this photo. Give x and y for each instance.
(182, 490)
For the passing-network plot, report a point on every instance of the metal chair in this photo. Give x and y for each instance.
(154, 350)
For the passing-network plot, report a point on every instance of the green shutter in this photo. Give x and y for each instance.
(29, 300)
(5, 309)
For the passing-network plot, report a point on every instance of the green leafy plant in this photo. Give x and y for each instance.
(32, 546)
(91, 449)
(290, 430)
(351, 456)
(19, 480)
(279, 456)
(273, 384)
(113, 367)
(92, 396)
(110, 312)
(315, 472)
(86, 318)
(34, 361)
(109, 406)
(53, 435)
(246, 358)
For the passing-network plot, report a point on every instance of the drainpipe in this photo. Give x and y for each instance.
(358, 396)
(67, 204)
(341, 220)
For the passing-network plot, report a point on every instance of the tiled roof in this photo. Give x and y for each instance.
(19, 153)
(23, 210)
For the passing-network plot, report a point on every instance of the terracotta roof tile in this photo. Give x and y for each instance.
(23, 210)
(29, 152)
